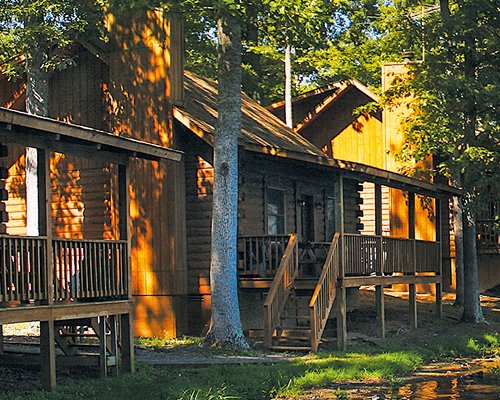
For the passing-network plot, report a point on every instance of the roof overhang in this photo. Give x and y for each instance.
(47, 133)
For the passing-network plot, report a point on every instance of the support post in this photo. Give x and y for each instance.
(113, 339)
(439, 287)
(127, 343)
(378, 209)
(126, 324)
(341, 319)
(413, 305)
(1, 339)
(103, 355)
(48, 354)
(379, 299)
(45, 217)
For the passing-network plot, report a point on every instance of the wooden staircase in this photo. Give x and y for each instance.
(296, 310)
(95, 339)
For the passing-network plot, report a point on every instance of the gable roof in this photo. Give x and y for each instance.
(261, 130)
(323, 98)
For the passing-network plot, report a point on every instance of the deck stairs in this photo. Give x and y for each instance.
(94, 338)
(297, 309)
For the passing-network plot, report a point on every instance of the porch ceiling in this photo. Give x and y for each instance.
(22, 128)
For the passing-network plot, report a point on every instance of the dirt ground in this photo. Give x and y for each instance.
(361, 326)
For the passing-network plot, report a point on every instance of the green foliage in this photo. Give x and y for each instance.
(47, 26)
(456, 91)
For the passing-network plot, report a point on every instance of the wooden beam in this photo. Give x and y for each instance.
(45, 217)
(46, 127)
(127, 343)
(439, 238)
(413, 305)
(357, 281)
(379, 300)
(48, 354)
(341, 319)
(58, 312)
(378, 209)
(1, 339)
(103, 352)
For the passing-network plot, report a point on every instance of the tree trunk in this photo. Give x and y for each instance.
(459, 251)
(225, 326)
(37, 103)
(472, 305)
(288, 86)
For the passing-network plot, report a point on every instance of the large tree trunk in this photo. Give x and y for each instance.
(472, 305)
(225, 327)
(37, 103)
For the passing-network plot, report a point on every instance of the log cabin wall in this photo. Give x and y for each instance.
(130, 97)
(138, 100)
(257, 173)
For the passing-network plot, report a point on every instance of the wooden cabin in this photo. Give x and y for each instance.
(298, 224)
(75, 276)
(293, 196)
(128, 87)
(327, 117)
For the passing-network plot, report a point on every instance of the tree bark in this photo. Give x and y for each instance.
(225, 327)
(288, 86)
(472, 304)
(37, 103)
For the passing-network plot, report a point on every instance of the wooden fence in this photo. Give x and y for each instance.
(83, 270)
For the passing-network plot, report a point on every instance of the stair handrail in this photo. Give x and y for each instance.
(324, 293)
(280, 288)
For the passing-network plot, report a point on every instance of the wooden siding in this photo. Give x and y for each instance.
(257, 172)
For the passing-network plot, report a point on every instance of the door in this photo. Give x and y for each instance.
(307, 218)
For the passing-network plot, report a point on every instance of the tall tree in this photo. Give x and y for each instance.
(456, 117)
(36, 29)
(225, 326)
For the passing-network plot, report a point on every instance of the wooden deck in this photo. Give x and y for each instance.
(349, 261)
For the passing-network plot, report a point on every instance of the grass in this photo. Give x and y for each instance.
(385, 360)
(367, 360)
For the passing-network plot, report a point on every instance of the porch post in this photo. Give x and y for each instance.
(341, 291)
(379, 299)
(439, 240)
(47, 328)
(126, 324)
(1, 339)
(411, 236)
(378, 209)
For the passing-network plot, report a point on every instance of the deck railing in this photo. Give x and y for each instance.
(83, 270)
(89, 269)
(324, 294)
(488, 238)
(381, 255)
(261, 255)
(23, 274)
(280, 288)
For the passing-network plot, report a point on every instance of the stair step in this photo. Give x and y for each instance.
(295, 328)
(81, 335)
(302, 317)
(291, 348)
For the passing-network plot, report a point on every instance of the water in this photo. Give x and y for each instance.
(484, 388)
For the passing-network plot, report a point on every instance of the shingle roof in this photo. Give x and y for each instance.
(261, 130)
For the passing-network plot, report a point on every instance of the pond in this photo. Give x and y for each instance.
(464, 379)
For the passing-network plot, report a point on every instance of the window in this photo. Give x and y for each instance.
(275, 211)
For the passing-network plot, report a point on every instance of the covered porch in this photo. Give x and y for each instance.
(77, 285)
(303, 280)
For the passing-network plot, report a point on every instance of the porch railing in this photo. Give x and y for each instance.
(280, 288)
(89, 269)
(83, 270)
(23, 274)
(488, 239)
(379, 255)
(324, 294)
(261, 255)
